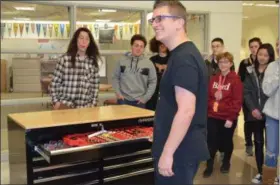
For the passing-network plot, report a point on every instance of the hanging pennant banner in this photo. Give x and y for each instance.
(50, 28)
(26, 28)
(10, 29)
(3, 26)
(56, 29)
(15, 28)
(121, 31)
(96, 28)
(33, 28)
(21, 25)
(62, 26)
(68, 29)
(38, 28)
(45, 29)
(131, 28)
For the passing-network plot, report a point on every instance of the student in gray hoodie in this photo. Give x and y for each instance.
(135, 77)
(271, 110)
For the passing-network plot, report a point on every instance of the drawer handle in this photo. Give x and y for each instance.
(46, 157)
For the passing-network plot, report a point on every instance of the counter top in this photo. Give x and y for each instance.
(44, 119)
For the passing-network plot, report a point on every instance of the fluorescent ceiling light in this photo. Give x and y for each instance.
(247, 4)
(21, 19)
(100, 20)
(25, 8)
(107, 10)
(267, 5)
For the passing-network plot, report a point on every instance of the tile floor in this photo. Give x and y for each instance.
(242, 170)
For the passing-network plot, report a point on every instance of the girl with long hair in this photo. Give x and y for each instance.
(76, 80)
(255, 99)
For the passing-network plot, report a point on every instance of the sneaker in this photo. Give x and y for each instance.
(225, 168)
(209, 169)
(249, 150)
(257, 179)
(276, 182)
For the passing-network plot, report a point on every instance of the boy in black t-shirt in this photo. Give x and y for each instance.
(179, 141)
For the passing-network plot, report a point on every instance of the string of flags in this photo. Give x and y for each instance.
(58, 30)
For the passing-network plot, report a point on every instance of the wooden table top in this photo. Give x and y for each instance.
(32, 120)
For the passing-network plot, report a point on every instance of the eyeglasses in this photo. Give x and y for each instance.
(159, 18)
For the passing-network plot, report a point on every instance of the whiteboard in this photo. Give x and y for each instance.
(102, 66)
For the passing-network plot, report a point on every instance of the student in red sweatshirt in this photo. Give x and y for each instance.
(225, 95)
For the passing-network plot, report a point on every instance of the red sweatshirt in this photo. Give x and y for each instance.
(232, 96)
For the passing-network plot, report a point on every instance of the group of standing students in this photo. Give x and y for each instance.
(256, 89)
(76, 81)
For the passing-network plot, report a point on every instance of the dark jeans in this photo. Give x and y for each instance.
(183, 174)
(258, 131)
(132, 103)
(217, 132)
(248, 127)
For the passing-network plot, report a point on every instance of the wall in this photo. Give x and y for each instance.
(265, 27)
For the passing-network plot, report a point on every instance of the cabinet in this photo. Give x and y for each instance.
(26, 74)
(32, 162)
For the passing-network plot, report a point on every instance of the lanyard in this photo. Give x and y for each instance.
(221, 83)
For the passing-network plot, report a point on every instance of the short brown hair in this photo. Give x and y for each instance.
(175, 8)
(138, 37)
(228, 56)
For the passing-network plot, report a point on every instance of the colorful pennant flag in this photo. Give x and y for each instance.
(21, 25)
(121, 31)
(91, 27)
(131, 28)
(50, 28)
(62, 26)
(15, 28)
(126, 28)
(33, 28)
(68, 29)
(10, 29)
(38, 28)
(26, 28)
(45, 29)
(56, 29)
(3, 26)
(96, 28)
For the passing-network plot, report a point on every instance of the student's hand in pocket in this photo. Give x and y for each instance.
(120, 97)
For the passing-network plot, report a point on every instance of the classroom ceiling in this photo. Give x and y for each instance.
(252, 9)
(60, 13)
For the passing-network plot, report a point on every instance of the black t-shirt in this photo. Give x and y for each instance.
(159, 60)
(185, 69)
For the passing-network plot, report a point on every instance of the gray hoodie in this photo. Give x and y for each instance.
(135, 78)
(271, 89)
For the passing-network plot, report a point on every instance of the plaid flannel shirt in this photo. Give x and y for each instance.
(75, 87)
